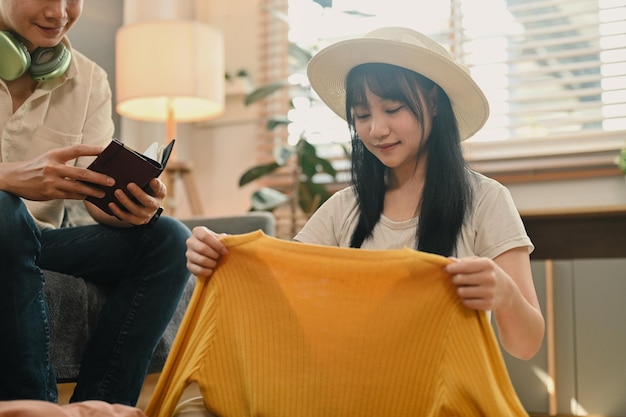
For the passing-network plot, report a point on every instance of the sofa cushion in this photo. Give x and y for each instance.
(74, 305)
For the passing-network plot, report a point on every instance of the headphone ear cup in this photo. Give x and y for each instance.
(15, 57)
(48, 63)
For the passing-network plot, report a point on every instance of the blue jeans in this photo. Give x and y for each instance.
(144, 266)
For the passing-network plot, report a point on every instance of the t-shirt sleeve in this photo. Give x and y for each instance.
(496, 221)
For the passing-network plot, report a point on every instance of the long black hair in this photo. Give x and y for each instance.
(447, 194)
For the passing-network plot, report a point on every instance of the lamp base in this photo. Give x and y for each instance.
(184, 170)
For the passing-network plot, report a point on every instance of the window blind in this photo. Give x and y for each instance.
(554, 72)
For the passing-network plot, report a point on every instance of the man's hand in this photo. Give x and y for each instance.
(48, 177)
(144, 205)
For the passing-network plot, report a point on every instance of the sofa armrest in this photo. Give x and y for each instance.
(236, 224)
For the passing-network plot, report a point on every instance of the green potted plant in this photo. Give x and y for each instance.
(307, 194)
(621, 161)
(302, 159)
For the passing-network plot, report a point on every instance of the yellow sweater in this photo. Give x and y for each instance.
(286, 329)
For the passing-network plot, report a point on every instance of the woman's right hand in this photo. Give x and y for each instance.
(204, 249)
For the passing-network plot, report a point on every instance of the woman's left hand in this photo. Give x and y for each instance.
(480, 282)
(505, 286)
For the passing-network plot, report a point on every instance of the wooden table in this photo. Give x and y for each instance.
(588, 232)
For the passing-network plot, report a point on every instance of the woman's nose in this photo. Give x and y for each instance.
(379, 127)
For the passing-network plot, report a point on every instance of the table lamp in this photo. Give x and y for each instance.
(171, 71)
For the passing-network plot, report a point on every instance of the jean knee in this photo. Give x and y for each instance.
(169, 229)
(168, 236)
(20, 233)
(12, 209)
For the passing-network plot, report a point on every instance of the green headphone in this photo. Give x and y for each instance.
(43, 64)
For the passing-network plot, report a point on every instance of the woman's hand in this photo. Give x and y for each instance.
(480, 283)
(204, 249)
(505, 286)
(48, 177)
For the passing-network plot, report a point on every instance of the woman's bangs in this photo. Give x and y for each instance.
(356, 85)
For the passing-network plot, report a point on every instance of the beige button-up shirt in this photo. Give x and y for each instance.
(71, 109)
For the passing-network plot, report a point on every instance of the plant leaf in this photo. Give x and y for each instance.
(621, 160)
(257, 172)
(282, 154)
(305, 147)
(274, 122)
(308, 167)
(310, 163)
(301, 55)
(267, 199)
(265, 90)
(326, 167)
(311, 196)
(346, 151)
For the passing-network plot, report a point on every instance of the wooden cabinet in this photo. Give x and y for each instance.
(579, 268)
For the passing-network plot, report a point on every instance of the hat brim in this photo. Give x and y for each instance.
(328, 69)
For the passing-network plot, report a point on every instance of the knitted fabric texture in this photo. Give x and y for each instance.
(286, 329)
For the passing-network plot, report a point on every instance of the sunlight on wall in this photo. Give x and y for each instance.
(575, 407)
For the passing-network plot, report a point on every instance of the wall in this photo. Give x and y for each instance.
(591, 192)
(229, 142)
(94, 35)
(220, 150)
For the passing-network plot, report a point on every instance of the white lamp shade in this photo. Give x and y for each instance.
(169, 68)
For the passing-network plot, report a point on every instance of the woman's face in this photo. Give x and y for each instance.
(40, 22)
(390, 130)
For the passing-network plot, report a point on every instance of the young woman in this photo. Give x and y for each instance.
(408, 106)
(55, 117)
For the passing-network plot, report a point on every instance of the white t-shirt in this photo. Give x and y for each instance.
(72, 109)
(493, 227)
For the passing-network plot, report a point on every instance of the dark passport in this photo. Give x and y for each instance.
(125, 165)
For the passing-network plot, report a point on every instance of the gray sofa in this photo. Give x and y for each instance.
(75, 303)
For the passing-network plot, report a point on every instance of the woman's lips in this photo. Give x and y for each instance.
(387, 146)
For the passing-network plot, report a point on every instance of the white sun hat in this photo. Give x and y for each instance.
(405, 48)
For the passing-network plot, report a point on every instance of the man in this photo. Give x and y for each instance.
(55, 117)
